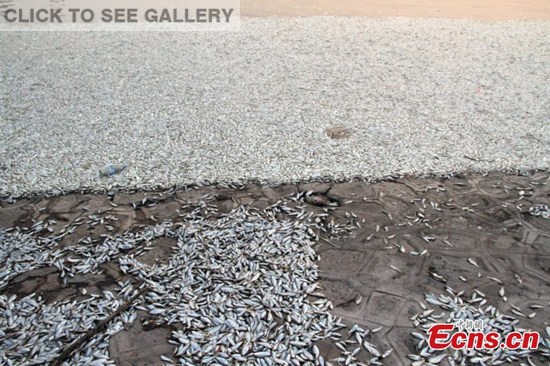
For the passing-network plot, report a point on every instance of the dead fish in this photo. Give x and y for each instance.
(395, 268)
(473, 262)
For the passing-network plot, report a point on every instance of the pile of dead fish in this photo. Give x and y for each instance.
(21, 252)
(540, 210)
(33, 332)
(453, 307)
(242, 285)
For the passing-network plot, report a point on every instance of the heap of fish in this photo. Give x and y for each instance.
(241, 285)
(33, 332)
(455, 306)
(241, 289)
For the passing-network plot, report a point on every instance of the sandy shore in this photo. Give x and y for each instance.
(490, 10)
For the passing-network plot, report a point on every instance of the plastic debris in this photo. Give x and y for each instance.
(110, 170)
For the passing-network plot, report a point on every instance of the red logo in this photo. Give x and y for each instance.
(441, 337)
